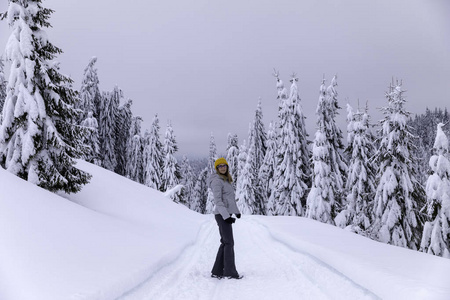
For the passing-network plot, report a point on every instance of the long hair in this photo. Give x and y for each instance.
(226, 176)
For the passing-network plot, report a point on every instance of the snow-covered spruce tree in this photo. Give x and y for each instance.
(3, 84)
(171, 173)
(91, 139)
(265, 180)
(134, 168)
(153, 157)
(242, 160)
(398, 194)
(123, 137)
(245, 195)
(436, 233)
(334, 135)
(281, 92)
(187, 180)
(320, 204)
(212, 153)
(200, 192)
(108, 118)
(360, 183)
(258, 137)
(292, 169)
(39, 139)
(233, 157)
(211, 160)
(257, 141)
(90, 96)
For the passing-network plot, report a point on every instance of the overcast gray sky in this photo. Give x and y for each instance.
(203, 64)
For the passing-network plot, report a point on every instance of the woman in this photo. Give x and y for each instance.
(225, 206)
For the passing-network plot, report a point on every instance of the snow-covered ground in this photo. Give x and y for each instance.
(119, 239)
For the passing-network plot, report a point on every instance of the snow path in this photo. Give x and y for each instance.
(271, 269)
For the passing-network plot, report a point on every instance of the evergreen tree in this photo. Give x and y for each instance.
(292, 157)
(242, 160)
(320, 204)
(257, 141)
(89, 92)
(39, 140)
(212, 154)
(123, 136)
(153, 157)
(187, 180)
(360, 185)
(398, 194)
(134, 168)
(200, 193)
(335, 137)
(247, 202)
(108, 117)
(233, 157)
(281, 92)
(91, 139)
(212, 158)
(436, 233)
(265, 181)
(259, 137)
(171, 173)
(3, 84)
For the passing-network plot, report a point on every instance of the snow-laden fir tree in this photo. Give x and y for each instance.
(436, 232)
(281, 92)
(242, 160)
(187, 180)
(245, 193)
(90, 96)
(320, 204)
(153, 157)
(258, 137)
(134, 167)
(265, 180)
(107, 124)
(39, 139)
(324, 207)
(211, 160)
(398, 194)
(292, 171)
(233, 157)
(212, 154)
(335, 137)
(360, 183)
(123, 129)
(171, 173)
(257, 141)
(91, 139)
(3, 84)
(200, 192)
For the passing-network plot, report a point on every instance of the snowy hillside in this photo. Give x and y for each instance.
(117, 238)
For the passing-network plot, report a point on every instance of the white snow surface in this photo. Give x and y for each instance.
(117, 239)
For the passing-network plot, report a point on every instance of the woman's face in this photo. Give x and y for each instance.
(222, 169)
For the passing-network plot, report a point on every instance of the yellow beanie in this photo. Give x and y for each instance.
(220, 161)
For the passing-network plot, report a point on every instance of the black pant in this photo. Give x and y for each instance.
(224, 265)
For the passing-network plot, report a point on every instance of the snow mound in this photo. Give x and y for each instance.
(113, 235)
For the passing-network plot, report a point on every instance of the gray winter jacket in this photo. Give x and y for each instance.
(225, 202)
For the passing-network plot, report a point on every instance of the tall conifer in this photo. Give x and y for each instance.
(398, 194)
(39, 139)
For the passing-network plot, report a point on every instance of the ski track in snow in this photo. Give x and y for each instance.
(272, 271)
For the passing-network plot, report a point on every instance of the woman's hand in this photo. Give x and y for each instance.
(230, 220)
